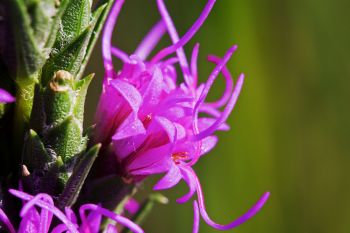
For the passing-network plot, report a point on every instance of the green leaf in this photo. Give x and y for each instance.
(69, 59)
(41, 13)
(35, 154)
(59, 98)
(99, 17)
(74, 21)
(81, 88)
(55, 26)
(29, 56)
(65, 139)
(76, 180)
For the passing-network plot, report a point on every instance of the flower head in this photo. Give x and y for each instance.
(38, 211)
(151, 119)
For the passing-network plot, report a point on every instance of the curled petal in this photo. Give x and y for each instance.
(6, 221)
(44, 205)
(113, 216)
(229, 84)
(202, 97)
(188, 35)
(245, 217)
(45, 215)
(191, 183)
(228, 109)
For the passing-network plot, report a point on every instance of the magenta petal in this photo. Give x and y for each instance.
(71, 215)
(208, 144)
(129, 92)
(228, 109)
(205, 122)
(171, 179)
(6, 221)
(153, 161)
(168, 127)
(107, 37)
(236, 222)
(130, 127)
(229, 83)
(45, 215)
(132, 206)
(61, 216)
(191, 183)
(113, 216)
(6, 97)
(128, 137)
(154, 89)
(150, 40)
(111, 229)
(30, 222)
(195, 217)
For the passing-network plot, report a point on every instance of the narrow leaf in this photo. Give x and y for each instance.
(76, 181)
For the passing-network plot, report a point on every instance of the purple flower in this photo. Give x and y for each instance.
(6, 97)
(152, 122)
(38, 211)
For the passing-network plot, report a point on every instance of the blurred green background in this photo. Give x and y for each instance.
(290, 129)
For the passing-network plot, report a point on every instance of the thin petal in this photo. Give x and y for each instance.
(179, 43)
(113, 216)
(249, 214)
(191, 183)
(6, 221)
(194, 59)
(61, 216)
(228, 81)
(107, 37)
(151, 40)
(196, 219)
(228, 109)
(175, 38)
(120, 54)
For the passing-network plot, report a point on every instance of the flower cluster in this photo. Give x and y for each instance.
(157, 123)
(38, 211)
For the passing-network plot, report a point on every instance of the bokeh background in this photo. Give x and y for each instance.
(291, 126)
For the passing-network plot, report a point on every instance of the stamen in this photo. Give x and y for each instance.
(177, 157)
(147, 120)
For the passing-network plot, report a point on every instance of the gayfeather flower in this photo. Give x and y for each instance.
(6, 97)
(38, 211)
(156, 123)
